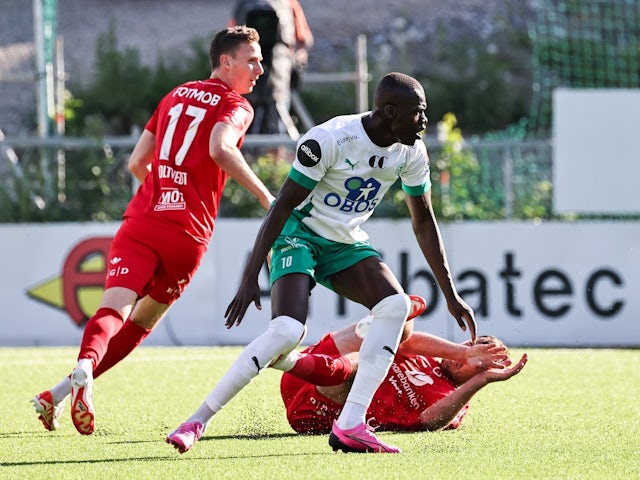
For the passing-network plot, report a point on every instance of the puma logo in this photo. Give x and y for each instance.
(350, 163)
(389, 349)
(257, 364)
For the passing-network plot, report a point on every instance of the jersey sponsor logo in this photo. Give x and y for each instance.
(321, 408)
(292, 242)
(201, 96)
(178, 290)
(178, 177)
(361, 190)
(170, 199)
(309, 153)
(418, 377)
(117, 271)
(346, 139)
(360, 197)
(401, 383)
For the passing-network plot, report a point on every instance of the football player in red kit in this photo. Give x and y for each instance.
(428, 386)
(187, 151)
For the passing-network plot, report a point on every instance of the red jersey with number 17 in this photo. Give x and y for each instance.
(184, 188)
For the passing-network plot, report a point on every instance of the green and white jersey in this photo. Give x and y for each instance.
(348, 175)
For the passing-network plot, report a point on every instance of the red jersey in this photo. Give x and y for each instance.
(414, 382)
(184, 188)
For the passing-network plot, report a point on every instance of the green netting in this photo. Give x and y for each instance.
(582, 44)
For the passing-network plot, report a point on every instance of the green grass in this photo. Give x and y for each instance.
(570, 414)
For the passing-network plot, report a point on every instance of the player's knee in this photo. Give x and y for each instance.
(393, 307)
(287, 332)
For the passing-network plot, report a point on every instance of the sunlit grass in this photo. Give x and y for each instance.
(570, 414)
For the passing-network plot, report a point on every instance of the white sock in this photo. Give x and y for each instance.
(239, 375)
(203, 415)
(375, 357)
(363, 326)
(87, 365)
(282, 336)
(287, 362)
(83, 373)
(61, 391)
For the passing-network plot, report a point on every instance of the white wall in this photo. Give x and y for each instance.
(596, 162)
(553, 284)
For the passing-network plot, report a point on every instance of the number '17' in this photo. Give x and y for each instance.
(198, 114)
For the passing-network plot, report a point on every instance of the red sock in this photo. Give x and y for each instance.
(98, 332)
(322, 369)
(121, 345)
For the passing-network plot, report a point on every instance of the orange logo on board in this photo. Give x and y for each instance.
(78, 289)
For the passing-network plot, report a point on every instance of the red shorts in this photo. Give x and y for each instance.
(152, 260)
(307, 410)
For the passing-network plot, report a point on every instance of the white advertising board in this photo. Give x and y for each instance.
(596, 158)
(549, 284)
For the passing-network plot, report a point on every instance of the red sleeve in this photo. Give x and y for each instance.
(152, 123)
(240, 116)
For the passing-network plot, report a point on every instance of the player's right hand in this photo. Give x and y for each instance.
(487, 355)
(499, 375)
(246, 294)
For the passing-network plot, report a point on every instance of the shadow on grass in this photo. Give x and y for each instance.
(249, 436)
(80, 462)
(172, 458)
(253, 436)
(219, 437)
(41, 432)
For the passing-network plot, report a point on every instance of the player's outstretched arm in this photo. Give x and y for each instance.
(441, 414)
(488, 355)
(425, 228)
(225, 152)
(142, 156)
(291, 194)
(500, 375)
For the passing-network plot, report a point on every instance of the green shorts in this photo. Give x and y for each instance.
(298, 249)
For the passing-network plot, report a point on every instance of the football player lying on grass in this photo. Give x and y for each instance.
(428, 386)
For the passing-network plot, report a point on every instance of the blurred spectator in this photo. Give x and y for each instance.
(285, 38)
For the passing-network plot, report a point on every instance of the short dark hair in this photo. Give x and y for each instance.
(399, 80)
(394, 85)
(227, 41)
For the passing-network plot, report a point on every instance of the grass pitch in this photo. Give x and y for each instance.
(570, 414)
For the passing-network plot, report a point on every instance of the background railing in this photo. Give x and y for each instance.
(86, 179)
